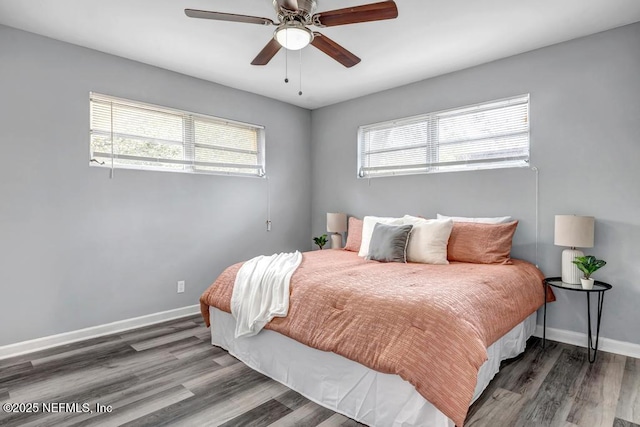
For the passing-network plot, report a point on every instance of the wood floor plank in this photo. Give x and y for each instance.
(181, 344)
(12, 372)
(139, 408)
(552, 403)
(215, 406)
(91, 393)
(152, 332)
(629, 403)
(209, 379)
(198, 364)
(224, 389)
(310, 414)
(351, 423)
(55, 350)
(296, 416)
(502, 409)
(80, 355)
(622, 423)
(316, 417)
(45, 385)
(195, 348)
(138, 392)
(526, 376)
(336, 420)
(261, 415)
(226, 360)
(522, 375)
(292, 399)
(163, 340)
(228, 409)
(596, 400)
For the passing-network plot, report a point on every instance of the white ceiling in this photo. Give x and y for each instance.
(429, 38)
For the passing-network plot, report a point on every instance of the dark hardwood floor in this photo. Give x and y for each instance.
(169, 374)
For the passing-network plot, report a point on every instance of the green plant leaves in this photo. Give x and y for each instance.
(320, 241)
(588, 264)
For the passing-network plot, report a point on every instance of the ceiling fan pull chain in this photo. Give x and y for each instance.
(286, 61)
(300, 91)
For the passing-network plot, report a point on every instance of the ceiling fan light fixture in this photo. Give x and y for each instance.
(293, 35)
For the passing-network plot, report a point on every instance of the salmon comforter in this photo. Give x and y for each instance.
(429, 324)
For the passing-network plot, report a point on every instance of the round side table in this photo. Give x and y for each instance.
(599, 288)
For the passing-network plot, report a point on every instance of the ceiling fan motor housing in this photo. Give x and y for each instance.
(295, 10)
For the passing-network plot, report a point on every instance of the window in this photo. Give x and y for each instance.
(483, 136)
(129, 134)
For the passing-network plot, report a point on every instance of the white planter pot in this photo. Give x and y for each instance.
(587, 283)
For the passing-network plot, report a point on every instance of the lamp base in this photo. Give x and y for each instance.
(336, 241)
(570, 272)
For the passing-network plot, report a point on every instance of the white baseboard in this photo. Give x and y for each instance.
(580, 340)
(43, 343)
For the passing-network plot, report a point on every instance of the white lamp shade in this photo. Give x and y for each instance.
(336, 222)
(574, 231)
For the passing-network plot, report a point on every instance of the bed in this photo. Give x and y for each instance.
(388, 344)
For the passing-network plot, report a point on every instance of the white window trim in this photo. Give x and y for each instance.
(432, 165)
(187, 141)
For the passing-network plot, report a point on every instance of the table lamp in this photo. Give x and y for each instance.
(336, 224)
(575, 232)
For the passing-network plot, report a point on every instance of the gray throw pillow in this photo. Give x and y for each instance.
(389, 243)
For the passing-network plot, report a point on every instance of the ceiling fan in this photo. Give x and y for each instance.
(292, 30)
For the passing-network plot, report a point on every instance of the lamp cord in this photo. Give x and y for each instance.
(535, 169)
(112, 142)
(268, 205)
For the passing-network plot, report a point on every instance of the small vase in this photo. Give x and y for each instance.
(587, 283)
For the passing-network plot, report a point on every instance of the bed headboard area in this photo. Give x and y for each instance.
(492, 193)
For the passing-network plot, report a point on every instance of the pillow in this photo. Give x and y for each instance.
(354, 235)
(389, 242)
(494, 220)
(428, 240)
(367, 230)
(481, 243)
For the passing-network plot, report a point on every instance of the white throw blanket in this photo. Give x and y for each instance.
(261, 291)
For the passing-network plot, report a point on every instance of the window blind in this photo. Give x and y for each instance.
(482, 136)
(130, 134)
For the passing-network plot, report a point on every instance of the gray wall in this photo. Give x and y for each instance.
(79, 249)
(585, 141)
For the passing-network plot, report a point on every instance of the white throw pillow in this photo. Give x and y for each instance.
(494, 220)
(428, 240)
(368, 223)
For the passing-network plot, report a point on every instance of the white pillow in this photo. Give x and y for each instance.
(494, 220)
(428, 240)
(367, 230)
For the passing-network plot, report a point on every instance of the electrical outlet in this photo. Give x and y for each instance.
(181, 286)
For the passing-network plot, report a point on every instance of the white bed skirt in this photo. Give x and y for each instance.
(345, 386)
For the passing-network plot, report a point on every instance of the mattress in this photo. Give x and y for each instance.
(347, 387)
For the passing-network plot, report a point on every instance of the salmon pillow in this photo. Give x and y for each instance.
(354, 235)
(481, 243)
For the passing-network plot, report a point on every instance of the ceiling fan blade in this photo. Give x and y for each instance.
(268, 52)
(334, 50)
(353, 15)
(220, 16)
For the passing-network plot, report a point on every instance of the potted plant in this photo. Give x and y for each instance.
(320, 241)
(588, 265)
